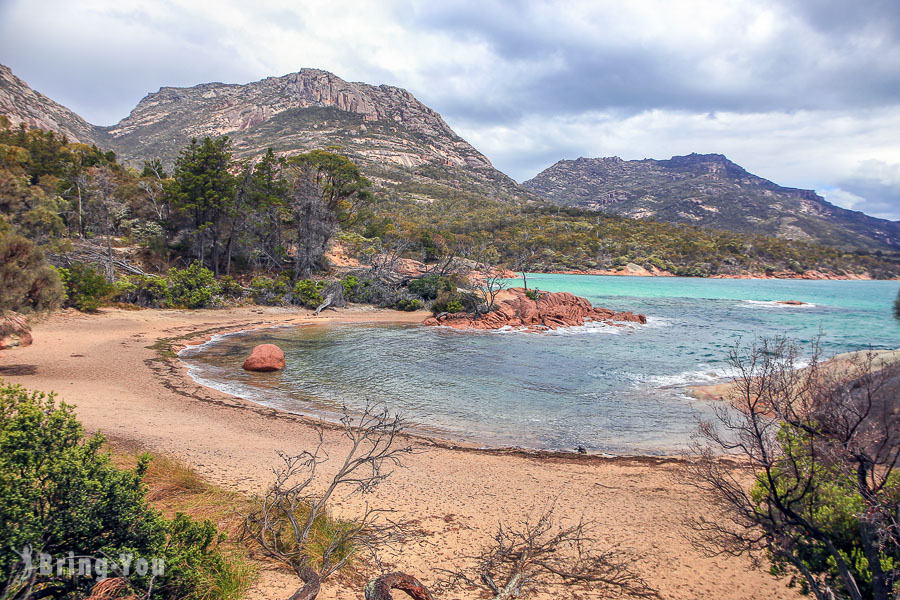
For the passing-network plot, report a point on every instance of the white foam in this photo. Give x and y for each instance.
(773, 304)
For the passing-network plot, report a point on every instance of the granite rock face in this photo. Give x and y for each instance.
(550, 311)
(21, 104)
(709, 190)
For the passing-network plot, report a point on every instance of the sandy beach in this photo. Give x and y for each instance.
(109, 365)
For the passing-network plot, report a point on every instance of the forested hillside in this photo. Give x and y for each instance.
(217, 229)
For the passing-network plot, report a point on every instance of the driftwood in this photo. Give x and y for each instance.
(90, 254)
(380, 587)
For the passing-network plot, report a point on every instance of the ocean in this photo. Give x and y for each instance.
(614, 390)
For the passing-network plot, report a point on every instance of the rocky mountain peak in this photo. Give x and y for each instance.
(21, 104)
(709, 190)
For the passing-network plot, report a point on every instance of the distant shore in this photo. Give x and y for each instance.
(633, 270)
(117, 368)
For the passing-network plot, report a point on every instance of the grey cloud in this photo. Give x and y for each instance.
(879, 199)
(787, 73)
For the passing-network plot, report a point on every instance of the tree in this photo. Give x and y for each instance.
(820, 446)
(489, 281)
(263, 193)
(292, 516)
(62, 493)
(104, 204)
(203, 190)
(537, 552)
(27, 283)
(325, 190)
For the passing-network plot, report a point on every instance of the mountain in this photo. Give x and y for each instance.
(23, 105)
(399, 143)
(710, 191)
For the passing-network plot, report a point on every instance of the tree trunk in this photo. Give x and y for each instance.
(380, 588)
(312, 584)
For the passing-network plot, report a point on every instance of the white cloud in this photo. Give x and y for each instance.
(843, 198)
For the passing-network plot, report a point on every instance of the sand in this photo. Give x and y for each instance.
(107, 366)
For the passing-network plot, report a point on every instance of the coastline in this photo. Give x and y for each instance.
(642, 272)
(116, 367)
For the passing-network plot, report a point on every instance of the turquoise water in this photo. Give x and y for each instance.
(609, 389)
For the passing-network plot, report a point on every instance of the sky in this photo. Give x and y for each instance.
(803, 92)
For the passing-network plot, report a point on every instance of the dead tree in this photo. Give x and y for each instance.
(313, 221)
(380, 587)
(807, 442)
(289, 514)
(536, 553)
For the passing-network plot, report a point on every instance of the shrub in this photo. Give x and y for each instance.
(143, 290)
(349, 282)
(230, 288)
(408, 304)
(26, 282)
(308, 293)
(268, 291)
(533, 294)
(429, 287)
(62, 493)
(193, 287)
(86, 289)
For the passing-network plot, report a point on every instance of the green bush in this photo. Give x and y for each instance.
(193, 287)
(430, 286)
(85, 288)
(143, 290)
(408, 304)
(268, 291)
(349, 282)
(230, 288)
(26, 282)
(61, 493)
(308, 293)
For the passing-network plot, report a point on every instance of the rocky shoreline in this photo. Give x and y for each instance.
(548, 312)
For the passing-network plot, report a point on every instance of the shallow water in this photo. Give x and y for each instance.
(610, 389)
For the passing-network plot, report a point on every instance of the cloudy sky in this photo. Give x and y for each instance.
(803, 92)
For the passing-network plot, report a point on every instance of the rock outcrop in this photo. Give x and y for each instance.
(14, 331)
(552, 310)
(265, 357)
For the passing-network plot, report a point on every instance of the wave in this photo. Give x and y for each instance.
(774, 304)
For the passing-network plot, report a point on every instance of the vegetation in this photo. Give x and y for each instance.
(218, 229)
(292, 523)
(821, 445)
(62, 494)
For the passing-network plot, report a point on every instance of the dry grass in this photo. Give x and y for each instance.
(173, 487)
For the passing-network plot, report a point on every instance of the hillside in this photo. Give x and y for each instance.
(394, 138)
(21, 104)
(709, 190)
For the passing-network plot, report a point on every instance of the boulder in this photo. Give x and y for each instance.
(551, 311)
(265, 357)
(14, 331)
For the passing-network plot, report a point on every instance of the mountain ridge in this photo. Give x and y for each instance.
(709, 190)
(408, 150)
(397, 140)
